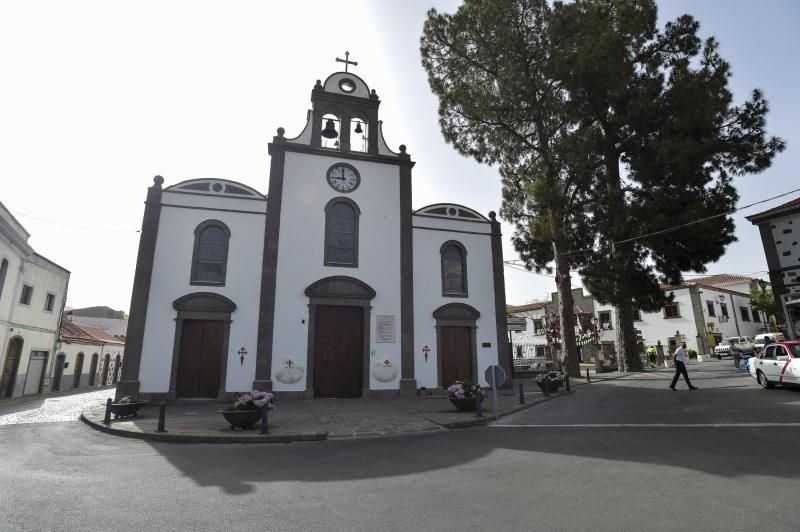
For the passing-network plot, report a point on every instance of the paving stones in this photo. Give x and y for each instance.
(49, 408)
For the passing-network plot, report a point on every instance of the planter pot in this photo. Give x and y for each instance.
(552, 386)
(466, 404)
(126, 409)
(244, 419)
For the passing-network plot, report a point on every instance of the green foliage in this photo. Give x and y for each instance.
(763, 301)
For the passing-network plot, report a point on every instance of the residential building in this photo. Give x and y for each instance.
(33, 290)
(780, 234)
(87, 357)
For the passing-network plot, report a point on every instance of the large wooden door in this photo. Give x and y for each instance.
(338, 351)
(9, 376)
(456, 354)
(200, 358)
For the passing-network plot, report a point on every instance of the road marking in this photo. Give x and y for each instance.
(643, 425)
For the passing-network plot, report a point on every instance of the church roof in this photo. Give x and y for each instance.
(451, 210)
(221, 187)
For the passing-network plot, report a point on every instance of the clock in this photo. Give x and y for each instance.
(343, 177)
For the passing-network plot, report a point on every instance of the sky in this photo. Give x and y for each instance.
(97, 97)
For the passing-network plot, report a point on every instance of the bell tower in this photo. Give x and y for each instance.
(345, 113)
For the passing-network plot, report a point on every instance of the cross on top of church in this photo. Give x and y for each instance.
(346, 61)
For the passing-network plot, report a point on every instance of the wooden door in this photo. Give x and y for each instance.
(338, 351)
(59, 371)
(106, 363)
(456, 355)
(76, 379)
(200, 358)
(10, 367)
(93, 370)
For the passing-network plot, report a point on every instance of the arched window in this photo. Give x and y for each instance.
(359, 134)
(454, 269)
(341, 233)
(210, 259)
(3, 270)
(330, 131)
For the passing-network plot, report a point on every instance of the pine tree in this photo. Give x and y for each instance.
(670, 141)
(490, 66)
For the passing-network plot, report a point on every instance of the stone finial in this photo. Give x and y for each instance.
(493, 216)
(158, 180)
(281, 131)
(373, 95)
(403, 149)
(318, 86)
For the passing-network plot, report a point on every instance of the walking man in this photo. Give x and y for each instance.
(680, 367)
(736, 353)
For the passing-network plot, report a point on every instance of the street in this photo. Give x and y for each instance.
(623, 453)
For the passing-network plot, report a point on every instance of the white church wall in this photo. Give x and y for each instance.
(171, 280)
(428, 291)
(301, 256)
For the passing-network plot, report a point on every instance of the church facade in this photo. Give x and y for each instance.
(329, 286)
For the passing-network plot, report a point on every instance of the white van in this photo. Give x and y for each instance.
(762, 339)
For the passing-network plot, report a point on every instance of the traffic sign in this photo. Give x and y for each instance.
(514, 323)
(495, 376)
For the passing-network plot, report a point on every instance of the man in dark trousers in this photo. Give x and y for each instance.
(680, 367)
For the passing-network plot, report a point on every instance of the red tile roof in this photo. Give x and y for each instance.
(513, 309)
(788, 206)
(84, 334)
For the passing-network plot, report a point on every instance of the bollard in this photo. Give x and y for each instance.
(264, 420)
(588, 378)
(521, 395)
(566, 381)
(107, 418)
(479, 405)
(162, 414)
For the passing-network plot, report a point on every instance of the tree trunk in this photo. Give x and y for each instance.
(566, 314)
(627, 347)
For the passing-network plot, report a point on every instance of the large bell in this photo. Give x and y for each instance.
(358, 128)
(330, 130)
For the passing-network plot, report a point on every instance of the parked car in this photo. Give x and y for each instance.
(766, 338)
(778, 363)
(745, 344)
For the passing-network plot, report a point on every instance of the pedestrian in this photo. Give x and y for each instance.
(736, 353)
(680, 367)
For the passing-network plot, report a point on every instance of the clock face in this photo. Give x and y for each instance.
(343, 177)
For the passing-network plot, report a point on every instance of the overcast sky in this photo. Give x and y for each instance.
(98, 97)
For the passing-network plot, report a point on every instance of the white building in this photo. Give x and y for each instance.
(32, 294)
(87, 357)
(780, 235)
(332, 286)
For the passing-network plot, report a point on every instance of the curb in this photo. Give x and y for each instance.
(196, 438)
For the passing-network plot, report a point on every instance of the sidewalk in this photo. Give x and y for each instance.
(316, 419)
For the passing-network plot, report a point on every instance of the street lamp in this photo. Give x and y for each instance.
(763, 285)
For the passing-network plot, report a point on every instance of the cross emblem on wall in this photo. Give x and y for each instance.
(242, 353)
(425, 351)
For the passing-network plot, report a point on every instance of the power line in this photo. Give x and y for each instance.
(687, 224)
(84, 228)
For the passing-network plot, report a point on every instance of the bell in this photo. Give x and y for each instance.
(358, 128)
(330, 130)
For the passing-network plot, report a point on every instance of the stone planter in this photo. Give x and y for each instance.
(466, 404)
(126, 409)
(244, 419)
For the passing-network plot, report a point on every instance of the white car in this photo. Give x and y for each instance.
(777, 364)
(745, 344)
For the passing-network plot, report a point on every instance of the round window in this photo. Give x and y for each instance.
(216, 187)
(347, 85)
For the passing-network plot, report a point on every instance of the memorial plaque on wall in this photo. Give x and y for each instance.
(385, 329)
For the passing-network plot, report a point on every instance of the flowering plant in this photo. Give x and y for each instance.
(550, 376)
(254, 400)
(465, 389)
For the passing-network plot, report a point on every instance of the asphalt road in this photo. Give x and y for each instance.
(623, 454)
